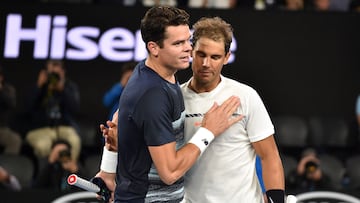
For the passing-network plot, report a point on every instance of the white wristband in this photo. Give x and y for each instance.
(108, 161)
(202, 138)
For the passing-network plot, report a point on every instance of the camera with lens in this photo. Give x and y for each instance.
(64, 155)
(53, 78)
(310, 167)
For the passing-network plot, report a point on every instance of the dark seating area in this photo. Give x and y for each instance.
(333, 138)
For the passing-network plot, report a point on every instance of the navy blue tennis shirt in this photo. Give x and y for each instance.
(151, 113)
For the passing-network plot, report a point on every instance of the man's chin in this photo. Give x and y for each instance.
(184, 66)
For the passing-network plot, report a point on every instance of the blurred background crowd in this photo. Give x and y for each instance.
(318, 153)
(318, 5)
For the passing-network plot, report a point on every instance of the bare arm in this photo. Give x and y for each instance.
(273, 172)
(110, 135)
(172, 164)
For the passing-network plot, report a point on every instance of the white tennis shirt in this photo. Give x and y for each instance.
(226, 170)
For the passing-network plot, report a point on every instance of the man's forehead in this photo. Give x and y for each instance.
(206, 43)
(177, 31)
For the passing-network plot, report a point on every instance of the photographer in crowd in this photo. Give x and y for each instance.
(308, 176)
(59, 166)
(52, 106)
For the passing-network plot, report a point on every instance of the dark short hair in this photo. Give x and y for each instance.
(157, 19)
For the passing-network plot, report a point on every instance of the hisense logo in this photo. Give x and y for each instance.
(51, 38)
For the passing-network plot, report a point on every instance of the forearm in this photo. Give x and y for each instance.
(273, 174)
(173, 165)
(170, 168)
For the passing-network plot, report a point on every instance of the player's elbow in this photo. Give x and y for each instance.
(169, 179)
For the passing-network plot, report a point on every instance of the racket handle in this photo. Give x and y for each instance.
(96, 185)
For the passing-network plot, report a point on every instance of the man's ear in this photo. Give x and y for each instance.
(153, 48)
(227, 56)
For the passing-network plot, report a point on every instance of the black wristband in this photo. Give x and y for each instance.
(276, 196)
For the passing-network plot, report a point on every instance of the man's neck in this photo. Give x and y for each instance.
(199, 87)
(166, 73)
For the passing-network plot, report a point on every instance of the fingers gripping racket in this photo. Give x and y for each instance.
(96, 185)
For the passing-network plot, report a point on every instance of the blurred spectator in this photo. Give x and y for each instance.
(249, 4)
(321, 5)
(126, 2)
(10, 140)
(58, 168)
(119, 2)
(182, 3)
(218, 4)
(358, 111)
(308, 176)
(52, 106)
(328, 5)
(112, 96)
(339, 5)
(67, 1)
(259, 5)
(197, 3)
(149, 3)
(8, 181)
(294, 5)
(354, 5)
(146, 3)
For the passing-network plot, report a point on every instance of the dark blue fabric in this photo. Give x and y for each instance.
(149, 108)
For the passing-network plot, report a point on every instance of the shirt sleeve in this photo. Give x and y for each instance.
(153, 116)
(259, 125)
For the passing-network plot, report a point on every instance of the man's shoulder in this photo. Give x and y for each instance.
(229, 82)
(183, 85)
